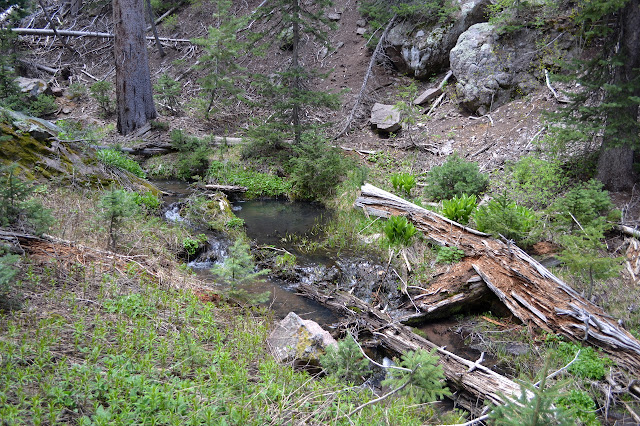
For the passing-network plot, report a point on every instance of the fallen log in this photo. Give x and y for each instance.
(472, 382)
(70, 33)
(530, 291)
(227, 189)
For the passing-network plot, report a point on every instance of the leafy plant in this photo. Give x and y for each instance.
(449, 254)
(420, 376)
(192, 245)
(193, 154)
(8, 272)
(589, 364)
(149, 201)
(101, 92)
(459, 208)
(534, 182)
(404, 182)
(501, 216)
(257, 183)
(580, 404)
(235, 222)
(286, 261)
(345, 361)
(455, 177)
(399, 230)
(115, 158)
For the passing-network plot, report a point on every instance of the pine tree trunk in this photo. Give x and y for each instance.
(133, 81)
(615, 164)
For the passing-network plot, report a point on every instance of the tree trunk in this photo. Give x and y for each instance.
(133, 81)
(615, 164)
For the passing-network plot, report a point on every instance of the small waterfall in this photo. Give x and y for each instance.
(172, 214)
(216, 252)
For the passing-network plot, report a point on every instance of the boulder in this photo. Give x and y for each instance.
(33, 87)
(386, 118)
(334, 16)
(299, 341)
(489, 72)
(423, 48)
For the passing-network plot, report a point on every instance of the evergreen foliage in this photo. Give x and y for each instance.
(534, 406)
(534, 182)
(116, 205)
(587, 203)
(503, 217)
(345, 361)
(424, 379)
(101, 93)
(8, 272)
(168, 93)
(316, 168)
(238, 268)
(286, 90)
(455, 177)
(220, 60)
(16, 206)
(193, 159)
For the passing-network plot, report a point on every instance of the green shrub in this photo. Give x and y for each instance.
(459, 208)
(101, 92)
(8, 272)
(77, 90)
(192, 245)
(449, 255)
(16, 206)
(455, 177)
(316, 169)
(534, 182)
(589, 364)
(501, 216)
(235, 222)
(399, 230)
(42, 105)
(403, 182)
(194, 152)
(345, 361)
(587, 202)
(581, 405)
(115, 158)
(116, 205)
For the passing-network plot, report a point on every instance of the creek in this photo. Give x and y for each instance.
(279, 224)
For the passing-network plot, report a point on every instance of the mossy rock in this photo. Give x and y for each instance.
(30, 143)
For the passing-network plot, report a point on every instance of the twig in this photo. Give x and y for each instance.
(435, 104)
(555, 373)
(383, 397)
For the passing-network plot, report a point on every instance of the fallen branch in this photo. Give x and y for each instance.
(375, 54)
(561, 99)
(69, 33)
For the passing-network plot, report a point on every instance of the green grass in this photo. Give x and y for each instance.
(258, 184)
(120, 349)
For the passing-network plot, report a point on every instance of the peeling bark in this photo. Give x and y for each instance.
(532, 293)
(133, 81)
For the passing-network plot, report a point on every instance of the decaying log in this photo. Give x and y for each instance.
(530, 291)
(227, 189)
(70, 33)
(472, 382)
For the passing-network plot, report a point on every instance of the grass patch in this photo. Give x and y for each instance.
(259, 184)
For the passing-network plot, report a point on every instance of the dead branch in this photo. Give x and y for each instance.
(69, 33)
(374, 56)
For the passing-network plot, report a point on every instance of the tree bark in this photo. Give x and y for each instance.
(133, 81)
(615, 164)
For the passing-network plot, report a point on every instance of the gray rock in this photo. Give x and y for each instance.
(334, 16)
(361, 23)
(427, 95)
(361, 31)
(489, 72)
(40, 129)
(33, 86)
(386, 118)
(423, 48)
(299, 341)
